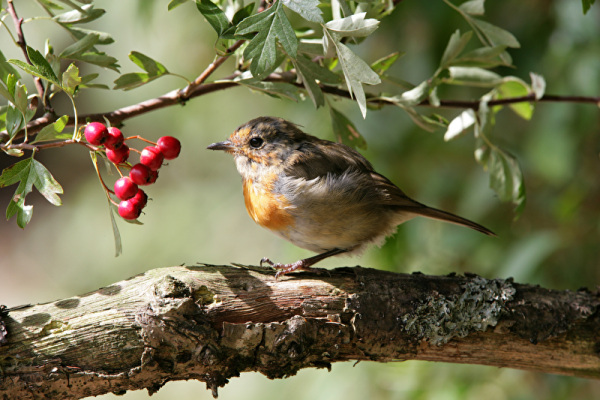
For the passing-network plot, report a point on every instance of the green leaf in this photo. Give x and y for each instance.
(345, 131)
(214, 15)
(242, 13)
(274, 89)
(14, 121)
(496, 35)
(506, 178)
(175, 3)
(308, 9)
(473, 7)
(356, 72)
(6, 69)
(20, 100)
(80, 46)
(383, 64)
(88, 78)
(132, 80)
(455, 46)
(586, 5)
(414, 96)
(515, 87)
(50, 5)
(53, 131)
(71, 79)
(484, 57)
(473, 76)
(353, 26)
(538, 85)
(80, 33)
(29, 173)
(152, 67)
(271, 25)
(311, 73)
(97, 58)
(40, 68)
(115, 229)
(86, 13)
(459, 125)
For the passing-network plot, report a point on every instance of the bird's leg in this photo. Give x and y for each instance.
(303, 264)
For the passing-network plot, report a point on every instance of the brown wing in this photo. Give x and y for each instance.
(316, 158)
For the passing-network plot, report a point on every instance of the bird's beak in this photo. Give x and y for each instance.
(225, 145)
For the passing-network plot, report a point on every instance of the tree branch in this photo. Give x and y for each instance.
(211, 323)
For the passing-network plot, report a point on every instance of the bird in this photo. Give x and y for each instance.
(320, 195)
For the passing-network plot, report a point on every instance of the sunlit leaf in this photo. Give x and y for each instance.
(153, 67)
(460, 124)
(473, 76)
(538, 85)
(80, 33)
(214, 15)
(271, 26)
(306, 8)
(353, 26)
(29, 173)
(86, 13)
(40, 68)
(71, 79)
(53, 131)
(515, 87)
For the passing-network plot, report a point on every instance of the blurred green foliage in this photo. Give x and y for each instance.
(197, 212)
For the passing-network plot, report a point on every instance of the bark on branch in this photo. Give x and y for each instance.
(211, 323)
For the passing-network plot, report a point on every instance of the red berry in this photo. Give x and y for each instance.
(118, 155)
(153, 177)
(115, 138)
(152, 157)
(142, 175)
(95, 133)
(169, 146)
(125, 188)
(140, 199)
(129, 210)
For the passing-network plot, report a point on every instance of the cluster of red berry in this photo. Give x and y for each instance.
(143, 173)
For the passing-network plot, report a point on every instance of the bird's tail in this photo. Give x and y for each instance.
(434, 213)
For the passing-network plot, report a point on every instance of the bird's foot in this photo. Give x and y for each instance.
(285, 269)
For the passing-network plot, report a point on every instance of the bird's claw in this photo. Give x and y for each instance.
(284, 269)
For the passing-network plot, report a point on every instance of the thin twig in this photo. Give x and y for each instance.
(185, 92)
(22, 44)
(174, 97)
(36, 147)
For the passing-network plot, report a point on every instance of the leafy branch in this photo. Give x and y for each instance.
(280, 59)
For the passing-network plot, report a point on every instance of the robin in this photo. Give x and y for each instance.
(320, 195)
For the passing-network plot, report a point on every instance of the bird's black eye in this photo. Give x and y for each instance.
(256, 142)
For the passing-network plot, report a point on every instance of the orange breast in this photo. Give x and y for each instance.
(266, 209)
